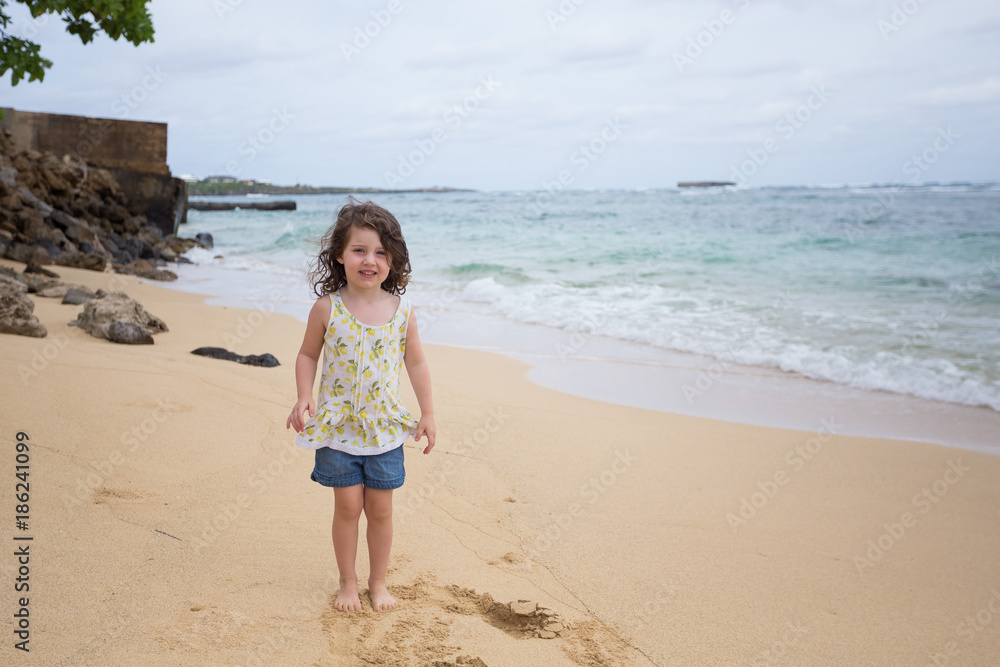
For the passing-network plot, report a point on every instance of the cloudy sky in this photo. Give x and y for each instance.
(514, 94)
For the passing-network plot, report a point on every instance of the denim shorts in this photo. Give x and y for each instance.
(376, 471)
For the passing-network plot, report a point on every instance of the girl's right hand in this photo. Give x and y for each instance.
(297, 419)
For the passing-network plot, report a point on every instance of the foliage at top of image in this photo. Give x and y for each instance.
(116, 18)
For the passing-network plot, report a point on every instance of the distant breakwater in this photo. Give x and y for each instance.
(199, 205)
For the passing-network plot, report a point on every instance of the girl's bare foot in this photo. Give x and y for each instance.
(347, 597)
(381, 600)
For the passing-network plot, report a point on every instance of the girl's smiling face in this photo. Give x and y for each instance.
(366, 262)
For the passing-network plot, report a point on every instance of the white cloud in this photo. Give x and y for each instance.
(354, 117)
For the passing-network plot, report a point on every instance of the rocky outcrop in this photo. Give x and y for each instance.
(108, 308)
(266, 360)
(17, 310)
(61, 210)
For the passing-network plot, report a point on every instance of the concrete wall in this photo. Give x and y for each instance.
(134, 151)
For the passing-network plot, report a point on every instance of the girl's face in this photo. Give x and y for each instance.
(365, 261)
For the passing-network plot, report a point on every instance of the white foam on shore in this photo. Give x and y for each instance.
(623, 372)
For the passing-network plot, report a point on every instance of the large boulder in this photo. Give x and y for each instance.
(109, 307)
(17, 310)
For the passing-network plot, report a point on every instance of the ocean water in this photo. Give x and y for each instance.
(893, 288)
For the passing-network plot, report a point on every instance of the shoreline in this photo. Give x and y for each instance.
(668, 381)
(874, 549)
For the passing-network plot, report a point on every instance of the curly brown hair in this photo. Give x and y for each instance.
(328, 275)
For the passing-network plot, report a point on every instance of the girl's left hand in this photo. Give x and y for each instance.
(426, 427)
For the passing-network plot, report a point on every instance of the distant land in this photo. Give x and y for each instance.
(704, 184)
(215, 187)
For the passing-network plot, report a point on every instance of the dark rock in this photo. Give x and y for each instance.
(75, 230)
(133, 247)
(148, 251)
(79, 260)
(150, 234)
(50, 247)
(11, 273)
(116, 213)
(205, 239)
(54, 290)
(35, 268)
(28, 254)
(35, 202)
(17, 311)
(129, 333)
(108, 307)
(77, 295)
(13, 282)
(37, 283)
(266, 360)
(111, 246)
(146, 269)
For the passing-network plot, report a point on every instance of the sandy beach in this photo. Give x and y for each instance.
(173, 521)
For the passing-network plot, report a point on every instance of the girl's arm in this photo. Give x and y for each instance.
(305, 363)
(420, 379)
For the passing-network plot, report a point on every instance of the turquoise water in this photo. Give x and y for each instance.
(894, 288)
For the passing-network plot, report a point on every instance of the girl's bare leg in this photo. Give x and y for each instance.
(378, 511)
(348, 503)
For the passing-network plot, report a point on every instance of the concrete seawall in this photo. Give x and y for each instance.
(134, 151)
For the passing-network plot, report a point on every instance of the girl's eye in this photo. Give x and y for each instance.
(381, 252)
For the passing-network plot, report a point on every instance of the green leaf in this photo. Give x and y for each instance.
(116, 18)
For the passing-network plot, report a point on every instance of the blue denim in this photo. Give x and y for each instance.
(376, 471)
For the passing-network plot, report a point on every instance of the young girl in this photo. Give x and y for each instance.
(367, 332)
